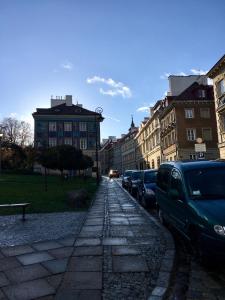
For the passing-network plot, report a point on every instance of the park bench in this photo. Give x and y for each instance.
(23, 205)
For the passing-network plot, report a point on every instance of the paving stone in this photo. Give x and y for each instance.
(16, 250)
(45, 298)
(3, 280)
(129, 264)
(119, 221)
(61, 252)
(85, 263)
(8, 263)
(1, 255)
(56, 266)
(29, 290)
(79, 295)
(114, 241)
(2, 296)
(91, 228)
(69, 241)
(158, 291)
(46, 245)
(33, 258)
(123, 250)
(87, 242)
(26, 273)
(55, 280)
(92, 250)
(82, 280)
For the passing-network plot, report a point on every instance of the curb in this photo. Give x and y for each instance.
(165, 271)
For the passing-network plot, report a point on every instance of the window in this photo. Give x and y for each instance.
(52, 126)
(52, 142)
(68, 141)
(201, 93)
(193, 156)
(220, 87)
(189, 113)
(205, 112)
(207, 134)
(153, 164)
(191, 134)
(83, 126)
(163, 178)
(67, 126)
(83, 144)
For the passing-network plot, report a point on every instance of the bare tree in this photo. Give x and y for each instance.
(17, 132)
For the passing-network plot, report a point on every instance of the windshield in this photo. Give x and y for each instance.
(150, 177)
(206, 183)
(136, 175)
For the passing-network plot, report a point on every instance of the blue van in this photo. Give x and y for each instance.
(191, 197)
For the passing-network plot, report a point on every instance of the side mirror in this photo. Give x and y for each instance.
(173, 194)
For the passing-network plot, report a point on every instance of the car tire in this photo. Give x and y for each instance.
(197, 249)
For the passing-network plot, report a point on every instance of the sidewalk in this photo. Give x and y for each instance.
(120, 253)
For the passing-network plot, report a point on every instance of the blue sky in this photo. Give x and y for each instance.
(110, 53)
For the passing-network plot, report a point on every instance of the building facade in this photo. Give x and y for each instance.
(187, 117)
(67, 124)
(217, 73)
(128, 149)
(148, 150)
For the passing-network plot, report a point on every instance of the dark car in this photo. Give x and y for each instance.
(134, 181)
(191, 197)
(125, 178)
(146, 189)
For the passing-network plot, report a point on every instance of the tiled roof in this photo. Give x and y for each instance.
(63, 109)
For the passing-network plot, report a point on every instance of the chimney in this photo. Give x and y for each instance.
(68, 100)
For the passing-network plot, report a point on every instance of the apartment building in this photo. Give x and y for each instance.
(217, 74)
(69, 124)
(148, 150)
(188, 114)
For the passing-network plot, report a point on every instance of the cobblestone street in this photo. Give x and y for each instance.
(120, 253)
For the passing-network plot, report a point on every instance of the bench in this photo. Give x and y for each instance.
(23, 205)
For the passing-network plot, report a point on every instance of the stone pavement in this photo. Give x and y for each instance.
(120, 253)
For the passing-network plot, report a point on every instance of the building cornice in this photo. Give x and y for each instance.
(216, 68)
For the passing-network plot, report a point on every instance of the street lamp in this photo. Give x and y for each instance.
(99, 111)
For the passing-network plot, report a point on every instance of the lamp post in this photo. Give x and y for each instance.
(98, 110)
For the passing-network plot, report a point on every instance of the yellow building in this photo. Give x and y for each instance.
(148, 150)
(217, 73)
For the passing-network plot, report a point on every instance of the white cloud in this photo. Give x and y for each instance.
(67, 65)
(116, 88)
(13, 115)
(111, 118)
(143, 109)
(198, 72)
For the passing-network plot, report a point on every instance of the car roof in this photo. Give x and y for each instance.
(194, 164)
(150, 170)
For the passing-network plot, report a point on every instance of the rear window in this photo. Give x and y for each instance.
(150, 177)
(136, 175)
(128, 173)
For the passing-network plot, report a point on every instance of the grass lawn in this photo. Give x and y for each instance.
(31, 188)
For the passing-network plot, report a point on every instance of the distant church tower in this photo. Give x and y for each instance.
(132, 126)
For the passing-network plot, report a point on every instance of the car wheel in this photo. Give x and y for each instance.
(143, 201)
(197, 249)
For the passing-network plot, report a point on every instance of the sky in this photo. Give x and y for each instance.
(114, 54)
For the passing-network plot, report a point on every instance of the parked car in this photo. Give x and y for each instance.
(125, 178)
(146, 188)
(133, 181)
(191, 197)
(114, 173)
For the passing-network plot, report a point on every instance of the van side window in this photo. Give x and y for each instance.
(163, 179)
(176, 182)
